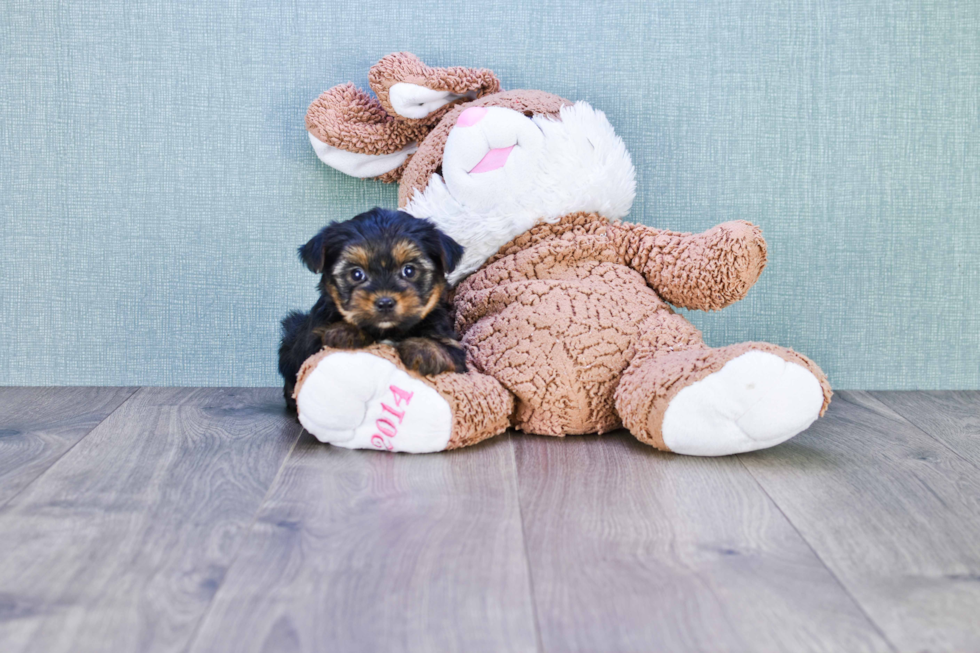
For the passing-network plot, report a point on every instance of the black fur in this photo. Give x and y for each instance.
(426, 340)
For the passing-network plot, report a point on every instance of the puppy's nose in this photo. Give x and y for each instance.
(384, 304)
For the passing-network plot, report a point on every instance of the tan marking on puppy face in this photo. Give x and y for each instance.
(357, 255)
(407, 305)
(353, 256)
(361, 306)
(434, 296)
(405, 251)
(335, 296)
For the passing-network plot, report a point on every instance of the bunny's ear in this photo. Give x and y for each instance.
(414, 92)
(350, 131)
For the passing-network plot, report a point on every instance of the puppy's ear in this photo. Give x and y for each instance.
(441, 248)
(321, 252)
(452, 252)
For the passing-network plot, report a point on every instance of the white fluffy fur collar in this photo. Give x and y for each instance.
(580, 165)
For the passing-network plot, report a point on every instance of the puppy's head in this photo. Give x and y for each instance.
(384, 270)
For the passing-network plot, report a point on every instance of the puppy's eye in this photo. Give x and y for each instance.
(357, 275)
(408, 271)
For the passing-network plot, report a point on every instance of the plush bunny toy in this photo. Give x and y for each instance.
(562, 308)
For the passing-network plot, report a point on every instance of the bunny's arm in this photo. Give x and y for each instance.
(705, 271)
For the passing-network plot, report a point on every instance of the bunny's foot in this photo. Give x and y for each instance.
(366, 399)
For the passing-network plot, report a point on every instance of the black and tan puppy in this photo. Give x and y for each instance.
(383, 279)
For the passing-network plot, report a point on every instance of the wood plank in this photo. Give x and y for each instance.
(357, 551)
(893, 513)
(121, 545)
(38, 425)
(636, 550)
(951, 417)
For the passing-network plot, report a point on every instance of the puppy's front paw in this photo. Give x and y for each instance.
(425, 356)
(342, 335)
(454, 348)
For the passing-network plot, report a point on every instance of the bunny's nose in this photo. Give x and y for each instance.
(471, 116)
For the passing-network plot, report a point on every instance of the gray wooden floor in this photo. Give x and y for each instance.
(205, 520)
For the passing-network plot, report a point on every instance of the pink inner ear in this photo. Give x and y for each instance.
(471, 116)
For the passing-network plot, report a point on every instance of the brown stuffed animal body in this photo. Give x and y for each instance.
(563, 309)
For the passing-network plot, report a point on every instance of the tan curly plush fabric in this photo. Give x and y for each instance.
(405, 67)
(565, 311)
(353, 120)
(653, 378)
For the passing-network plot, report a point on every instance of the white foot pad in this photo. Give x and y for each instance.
(755, 401)
(359, 401)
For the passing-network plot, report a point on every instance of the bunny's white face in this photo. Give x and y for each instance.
(503, 173)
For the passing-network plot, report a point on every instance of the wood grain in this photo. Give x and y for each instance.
(356, 551)
(38, 425)
(121, 545)
(953, 418)
(893, 513)
(636, 550)
(150, 533)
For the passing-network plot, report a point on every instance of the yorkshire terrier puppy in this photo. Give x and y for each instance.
(383, 280)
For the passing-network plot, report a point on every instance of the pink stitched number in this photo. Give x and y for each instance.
(399, 414)
(386, 427)
(400, 395)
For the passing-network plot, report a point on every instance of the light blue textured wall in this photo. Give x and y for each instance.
(155, 176)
